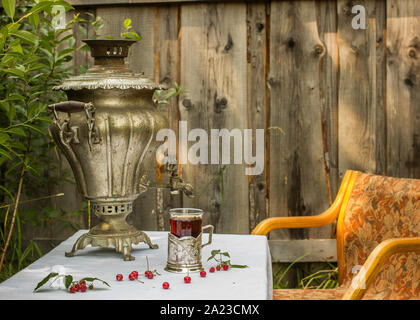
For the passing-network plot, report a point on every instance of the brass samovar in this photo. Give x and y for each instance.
(105, 130)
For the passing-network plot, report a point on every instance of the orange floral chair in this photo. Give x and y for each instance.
(378, 234)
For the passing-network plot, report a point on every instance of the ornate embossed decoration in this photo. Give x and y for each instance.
(105, 130)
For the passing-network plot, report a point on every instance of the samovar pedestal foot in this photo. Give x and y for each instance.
(122, 243)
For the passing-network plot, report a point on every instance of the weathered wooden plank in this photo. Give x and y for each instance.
(326, 20)
(314, 250)
(297, 173)
(167, 72)
(141, 59)
(403, 97)
(257, 102)
(328, 94)
(361, 77)
(213, 71)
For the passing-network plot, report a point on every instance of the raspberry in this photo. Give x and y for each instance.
(165, 285)
(187, 279)
(119, 277)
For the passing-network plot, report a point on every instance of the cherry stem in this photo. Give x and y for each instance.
(147, 261)
(139, 281)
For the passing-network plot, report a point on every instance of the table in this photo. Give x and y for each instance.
(252, 283)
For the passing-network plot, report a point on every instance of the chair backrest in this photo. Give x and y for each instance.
(377, 208)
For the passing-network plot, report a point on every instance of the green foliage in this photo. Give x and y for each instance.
(129, 35)
(68, 280)
(162, 96)
(34, 56)
(326, 278)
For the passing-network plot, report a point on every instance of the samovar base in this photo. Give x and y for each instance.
(122, 243)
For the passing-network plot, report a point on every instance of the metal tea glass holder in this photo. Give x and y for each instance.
(184, 253)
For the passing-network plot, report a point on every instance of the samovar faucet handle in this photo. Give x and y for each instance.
(176, 183)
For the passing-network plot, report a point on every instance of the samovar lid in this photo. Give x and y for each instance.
(109, 70)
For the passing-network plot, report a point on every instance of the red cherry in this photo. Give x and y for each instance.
(119, 277)
(73, 289)
(187, 279)
(150, 275)
(77, 287)
(225, 267)
(83, 288)
(133, 275)
(82, 283)
(211, 269)
(146, 273)
(218, 268)
(165, 285)
(203, 274)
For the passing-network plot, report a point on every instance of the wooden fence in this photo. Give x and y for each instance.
(329, 97)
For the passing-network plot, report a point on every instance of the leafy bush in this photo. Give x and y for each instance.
(34, 54)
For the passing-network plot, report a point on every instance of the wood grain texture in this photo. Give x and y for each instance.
(315, 250)
(213, 64)
(297, 175)
(167, 71)
(338, 98)
(361, 83)
(257, 67)
(403, 95)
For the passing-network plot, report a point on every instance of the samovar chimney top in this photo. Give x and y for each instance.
(109, 52)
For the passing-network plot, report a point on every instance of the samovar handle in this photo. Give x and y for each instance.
(70, 107)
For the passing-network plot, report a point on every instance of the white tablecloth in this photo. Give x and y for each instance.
(253, 283)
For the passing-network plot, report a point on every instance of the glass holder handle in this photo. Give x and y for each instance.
(209, 226)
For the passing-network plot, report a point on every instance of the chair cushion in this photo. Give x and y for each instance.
(381, 208)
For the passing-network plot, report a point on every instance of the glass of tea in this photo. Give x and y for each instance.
(187, 222)
(185, 240)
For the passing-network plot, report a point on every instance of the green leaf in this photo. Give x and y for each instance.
(4, 137)
(93, 279)
(34, 128)
(41, 6)
(131, 36)
(225, 254)
(45, 280)
(127, 24)
(68, 279)
(25, 35)
(34, 20)
(65, 52)
(11, 113)
(17, 131)
(16, 72)
(238, 266)
(5, 154)
(213, 254)
(18, 145)
(9, 7)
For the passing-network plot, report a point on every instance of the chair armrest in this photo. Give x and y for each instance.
(328, 216)
(374, 263)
